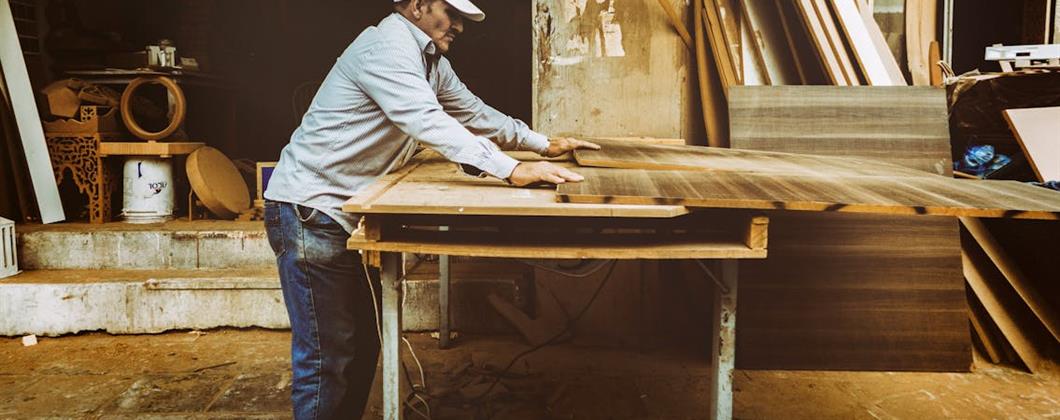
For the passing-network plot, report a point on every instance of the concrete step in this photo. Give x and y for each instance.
(207, 244)
(56, 302)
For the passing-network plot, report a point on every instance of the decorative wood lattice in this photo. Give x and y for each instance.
(80, 154)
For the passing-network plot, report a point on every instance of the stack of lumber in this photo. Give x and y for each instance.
(802, 42)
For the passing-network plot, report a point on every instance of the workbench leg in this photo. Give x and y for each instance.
(443, 301)
(723, 341)
(390, 275)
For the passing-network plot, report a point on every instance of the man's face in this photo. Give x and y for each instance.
(441, 22)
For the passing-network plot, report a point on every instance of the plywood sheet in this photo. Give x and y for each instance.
(432, 185)
(1038, 132)
(853, 291)
(925, 195)
(634, 155)
(903, 125)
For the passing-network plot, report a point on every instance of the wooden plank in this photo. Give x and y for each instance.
(1038, 132)
(768, 30)
(28, 119)
(920, 29)
(869, 58)
(865, 122)
(675, 20)
(149, 148)
(1019, 282)
(808, 61)
(731, 25)
(630, 155)
(976, 275)
(836, 41)
(887, 55)
(711, 88)
(727, 69)
(432, 185)
(925, 195)
(822, 42)
(979, 325)
(486, 245)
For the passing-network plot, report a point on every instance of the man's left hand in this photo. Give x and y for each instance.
(560, 145)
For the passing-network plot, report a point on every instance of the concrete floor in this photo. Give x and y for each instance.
(233, 373)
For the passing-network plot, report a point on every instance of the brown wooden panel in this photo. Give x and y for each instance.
(905, 256)
(923, 195)
(897, 124)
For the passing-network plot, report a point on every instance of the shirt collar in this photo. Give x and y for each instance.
(422, 39)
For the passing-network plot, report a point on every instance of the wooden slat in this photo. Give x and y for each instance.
(1038, 132)
(719, 47)
(879, 41)
(729, 17)
(974, 272)
(632, 155)
(928, 195)
(563, 247)
(979, 325)
(779, 59)
(28, 120)
(711, 88)
(898, 124)
(150, 148)
(1019, 282)
(869, 58)
(432, 185)
(837, 42)
(822, 43)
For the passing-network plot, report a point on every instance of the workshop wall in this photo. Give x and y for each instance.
(265, 49)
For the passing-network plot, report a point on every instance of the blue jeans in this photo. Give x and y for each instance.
(334, 345)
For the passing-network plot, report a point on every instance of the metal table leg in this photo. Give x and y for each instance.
(390, 275)
(443, 301)
(723, 342)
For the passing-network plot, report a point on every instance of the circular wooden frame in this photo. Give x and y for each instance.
(180, 105)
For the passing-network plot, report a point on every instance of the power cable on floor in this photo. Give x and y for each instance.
(476, 400)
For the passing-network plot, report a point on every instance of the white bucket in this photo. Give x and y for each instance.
(148, 190)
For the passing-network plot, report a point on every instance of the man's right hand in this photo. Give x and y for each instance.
(526, 173)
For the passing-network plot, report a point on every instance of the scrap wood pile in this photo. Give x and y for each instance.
(802, 42)
(837, 42)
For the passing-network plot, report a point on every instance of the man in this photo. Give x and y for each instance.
(390, 90)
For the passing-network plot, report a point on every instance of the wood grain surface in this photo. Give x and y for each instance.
(631, 155)
(898, 124)
(432, 185)
(922, 195)
(852, 291)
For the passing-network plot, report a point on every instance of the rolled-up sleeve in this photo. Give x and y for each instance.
(395, 80)
(509, 133)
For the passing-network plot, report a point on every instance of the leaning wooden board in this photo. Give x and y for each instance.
(852, 291)
(1038, 132)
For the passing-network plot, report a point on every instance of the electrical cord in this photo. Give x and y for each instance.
(476, 400)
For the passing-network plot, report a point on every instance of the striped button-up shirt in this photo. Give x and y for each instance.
(389, 90)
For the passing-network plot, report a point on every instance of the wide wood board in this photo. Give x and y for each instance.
(902, 125)
(631, 155)
(922, 195)
(852, 291)
(429, 184)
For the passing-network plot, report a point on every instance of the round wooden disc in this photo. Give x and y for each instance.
(217, 182)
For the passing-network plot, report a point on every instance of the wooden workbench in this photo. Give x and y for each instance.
(429, 206)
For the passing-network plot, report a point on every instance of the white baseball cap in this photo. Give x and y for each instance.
(466, 8)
